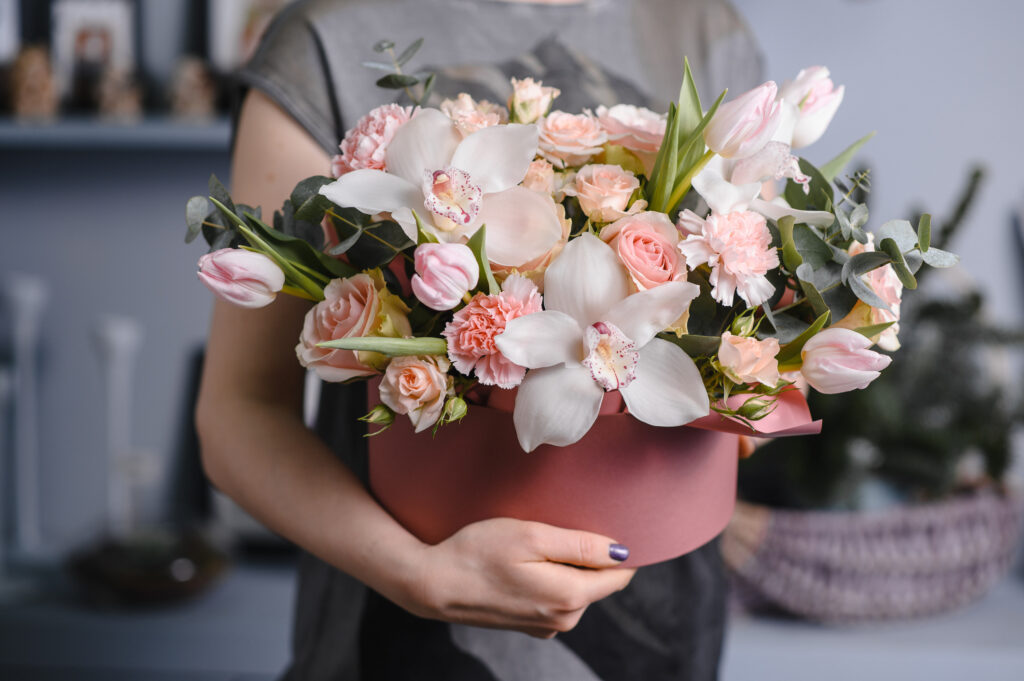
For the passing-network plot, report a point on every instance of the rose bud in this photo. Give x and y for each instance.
(816, 100)
(444, 274)
(244, 278)
(742, 126)
(839, 360)
(530, 100)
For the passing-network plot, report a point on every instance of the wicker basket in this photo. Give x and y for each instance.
(843, 567)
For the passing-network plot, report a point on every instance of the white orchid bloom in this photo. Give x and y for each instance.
(729, 185)
(456, 185)
(595, 337)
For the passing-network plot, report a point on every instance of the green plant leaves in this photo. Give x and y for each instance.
(899, 265)
(693, 345)
(196, 210)
(409, 52)
(831, 170)
(477, 244)
(397, 81)
(820, 195)
(791, 350)
(938, 258)
(392, 347)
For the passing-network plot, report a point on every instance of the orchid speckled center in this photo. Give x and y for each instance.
(452, 197)
(611, 355)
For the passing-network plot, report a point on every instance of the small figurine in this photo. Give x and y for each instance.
(33, 90)
(193, 93)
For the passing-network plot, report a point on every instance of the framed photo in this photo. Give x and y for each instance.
(10, 30)
(91, 37)
(236, 27)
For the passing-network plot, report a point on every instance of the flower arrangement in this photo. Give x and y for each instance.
(688, 260)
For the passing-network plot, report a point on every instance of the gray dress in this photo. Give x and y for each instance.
(669, 622)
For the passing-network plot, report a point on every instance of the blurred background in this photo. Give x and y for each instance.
(888, 546)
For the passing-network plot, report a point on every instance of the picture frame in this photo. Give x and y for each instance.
(90, 37)
(10, 30)
(235, 29)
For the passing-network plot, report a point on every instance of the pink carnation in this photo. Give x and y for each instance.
(738, 248)
(472, 331)
(365, 145)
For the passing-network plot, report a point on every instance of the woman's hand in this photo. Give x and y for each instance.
(513, 574)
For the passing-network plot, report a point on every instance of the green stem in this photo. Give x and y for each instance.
(370, 234)
(687, 181)
(398, 70)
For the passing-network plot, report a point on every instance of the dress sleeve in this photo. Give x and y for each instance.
(291, 67)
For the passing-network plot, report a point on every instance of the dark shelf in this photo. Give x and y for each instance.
(91, 133)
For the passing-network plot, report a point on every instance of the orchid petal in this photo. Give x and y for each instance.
(405, 219)
(668, 390)
(426, 142)
(556, 406)
(644, 314)
(521, 225)
(774, 211)
(497, 157)
(586, 280)
(372, 191)
(542, 339)
(721, 195)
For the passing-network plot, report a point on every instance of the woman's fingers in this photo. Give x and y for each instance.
(575, 547)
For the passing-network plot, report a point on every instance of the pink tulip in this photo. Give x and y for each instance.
(816, 100)
(444, 274)
(742, 126)
(839, 360)
(241, 277)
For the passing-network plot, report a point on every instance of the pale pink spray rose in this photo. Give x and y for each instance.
(417, 386)
(472, 331)
(839, 360)
(444, 274)
(749, 360)
(469, 115)
(738, 248)
(816, 100)
(353, 307)
(570, 139)
(646, 244)
(887, 286)
(742, 126)
(604, 192)
(633, 127)
(530, 99)
(365, 145)
(241, 277)
(540, 177)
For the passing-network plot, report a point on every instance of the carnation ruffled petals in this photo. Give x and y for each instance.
(243, 278)
(738, 248)
(749, 360)
(417, 386)
(570, 139)
(365, 145)
(646, 243)
(839, 360)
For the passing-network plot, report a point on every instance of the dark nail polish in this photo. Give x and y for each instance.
(618, 552)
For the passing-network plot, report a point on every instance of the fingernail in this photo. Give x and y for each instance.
(618, 552)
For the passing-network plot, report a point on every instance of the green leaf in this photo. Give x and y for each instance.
(900, 231)
(693, 345)
(924, 232)
(791, 350)
(937, 257)
(691, 116)
(383, 46)
(308, 202)
(805, 273)
(379, 65)
(392, 347)
(196, 210)
(820, 194)
(656, 180)
(477, 244)
(791, 257)
(859, 216)
(831, 170)
(424, 237)
(866, 293)
(428, 87)
(787, 328)
(873, 330)
(397, 81)
(899, 265)
(863, 263)
(693, 146)
(220, 193)
(379, 244)
(811, 246)
(409, 52)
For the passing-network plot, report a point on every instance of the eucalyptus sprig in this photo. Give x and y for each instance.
(397, 78)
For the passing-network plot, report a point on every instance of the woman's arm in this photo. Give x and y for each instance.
(255, 447)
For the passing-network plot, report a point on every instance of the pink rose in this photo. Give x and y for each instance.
(570, 139)
(633, 127)
(815, 99)
(444, 274)
(417, 386)
(884, 282)
(738, 248)
(365, 145)
(241, 277)
(742, 126)
(646, 243)
(839, 360)
(748, 360)
(604, 191)
(472, 331)
(530, 100)
(352, 307)
(469, 115)
(540, 177)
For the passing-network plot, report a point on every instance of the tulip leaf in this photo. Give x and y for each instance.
(196, 210)
(899, 265)
(791, 257)
(694, 345)
(937, 257)
(791, 350)
(819, 196)
(900, 231)
(397, 81)
(924, 232)
(873, 330)
(831, 170)
(423, 236)
(477, 244)
(690, 112)
(392, 347)
(805, 273)
(811, 247)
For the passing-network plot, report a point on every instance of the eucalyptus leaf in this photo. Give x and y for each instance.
(383, 46)
(307, 200)
(196, 210)
(866, 293)
(805, 273)
(787, 327)
(863, 263)
(899, 265)
(219, 192)
(695, 346)
(409, 52)
(924, 232)
(811, 246)
(900, 231)
(859, 216)
(820, 194)
(477, 244)
(428, 87)
(831, 170)
(347, 243)
(937, 257)
(397, 81)
(379, 243)
(791, 350)
(378, 65)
